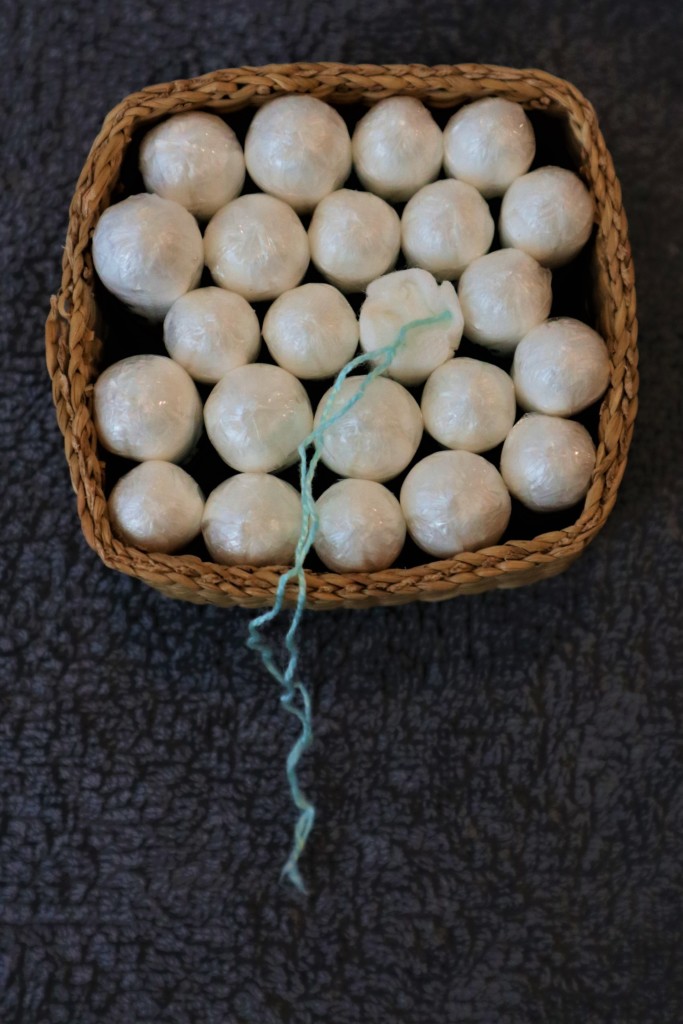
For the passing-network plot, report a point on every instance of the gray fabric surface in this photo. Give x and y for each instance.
(498, 778)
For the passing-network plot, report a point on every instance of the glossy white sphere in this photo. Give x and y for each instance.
(257, 416)
(397, 148)
(360, 527)
(378, 436)
(195, 160)
(547, 462)
(312, 331)
(502, 296)
(454, 502)
(157, 506)
(469, 405)
(547, 213)
(488, 144)
(298, 149)
(252, 519)
(396, 300)
(256, 246)
(148, 251)
(354, 237)
(445, 226)
(210, 331)
(147, 407)
(560, 367)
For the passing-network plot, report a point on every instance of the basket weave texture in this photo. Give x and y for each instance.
(73, 330)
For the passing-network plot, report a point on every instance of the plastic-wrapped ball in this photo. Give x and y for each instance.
(298, 149)
(312, 331)
(377, 437)
(399, 298)
(454, 502)
(547, 462)
(354, 237)
(195, 160)
(252, 519)
(502, 296)
(256, 246)
(210, 331)
(257, 416)
(157, 506)
(560, 367)
(488, 144)
(148, 251)
(360, 527)
(397, 148)
(445, 226)
(469, 405)
(147, 407)
(547, 213)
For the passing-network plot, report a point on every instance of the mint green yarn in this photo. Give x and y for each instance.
(293, 688)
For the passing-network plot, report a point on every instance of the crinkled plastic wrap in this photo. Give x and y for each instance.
(453, 502)
(397, 148)
(378, 436)
(445, 226)
(210, 331)
(502, 296)
(560, 367)
(354, 237)
(256, 246)
(360, 527)
(488, 144)
(298, 149)
(547, 462)
(148, 251)
(256, 417)
(252, 519)
(312, 331)
(396, 300)
(194, 159)
(157, 506)
(469, 405)
(547, 213)
(147, 407)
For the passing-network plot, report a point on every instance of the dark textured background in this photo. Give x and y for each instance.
(499, 778)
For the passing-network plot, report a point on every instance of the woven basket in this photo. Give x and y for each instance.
(73, 331)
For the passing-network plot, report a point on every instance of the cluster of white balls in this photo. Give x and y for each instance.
(150, 252)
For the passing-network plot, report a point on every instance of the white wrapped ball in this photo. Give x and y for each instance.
(547, 213)
(195, 160)
(252, 519)
(378, 436)
(256, 246)
(148, 251)
(312, 331)
(454, 502)
(502, 296)
(560, 367)
(156, 507)
(445, 226)
(469, 405)
(399, 298)
(298, 149)
(210, 331)
(547, 462)
(147, 407)
(257, 416)
(488, 144)
(360, 527)
(354, 237)
(397, 148)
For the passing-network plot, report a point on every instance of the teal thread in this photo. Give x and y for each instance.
(382, 357)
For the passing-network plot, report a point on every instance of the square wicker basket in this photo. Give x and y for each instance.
(73, 330)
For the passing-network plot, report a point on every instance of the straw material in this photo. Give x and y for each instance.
(73, 331)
